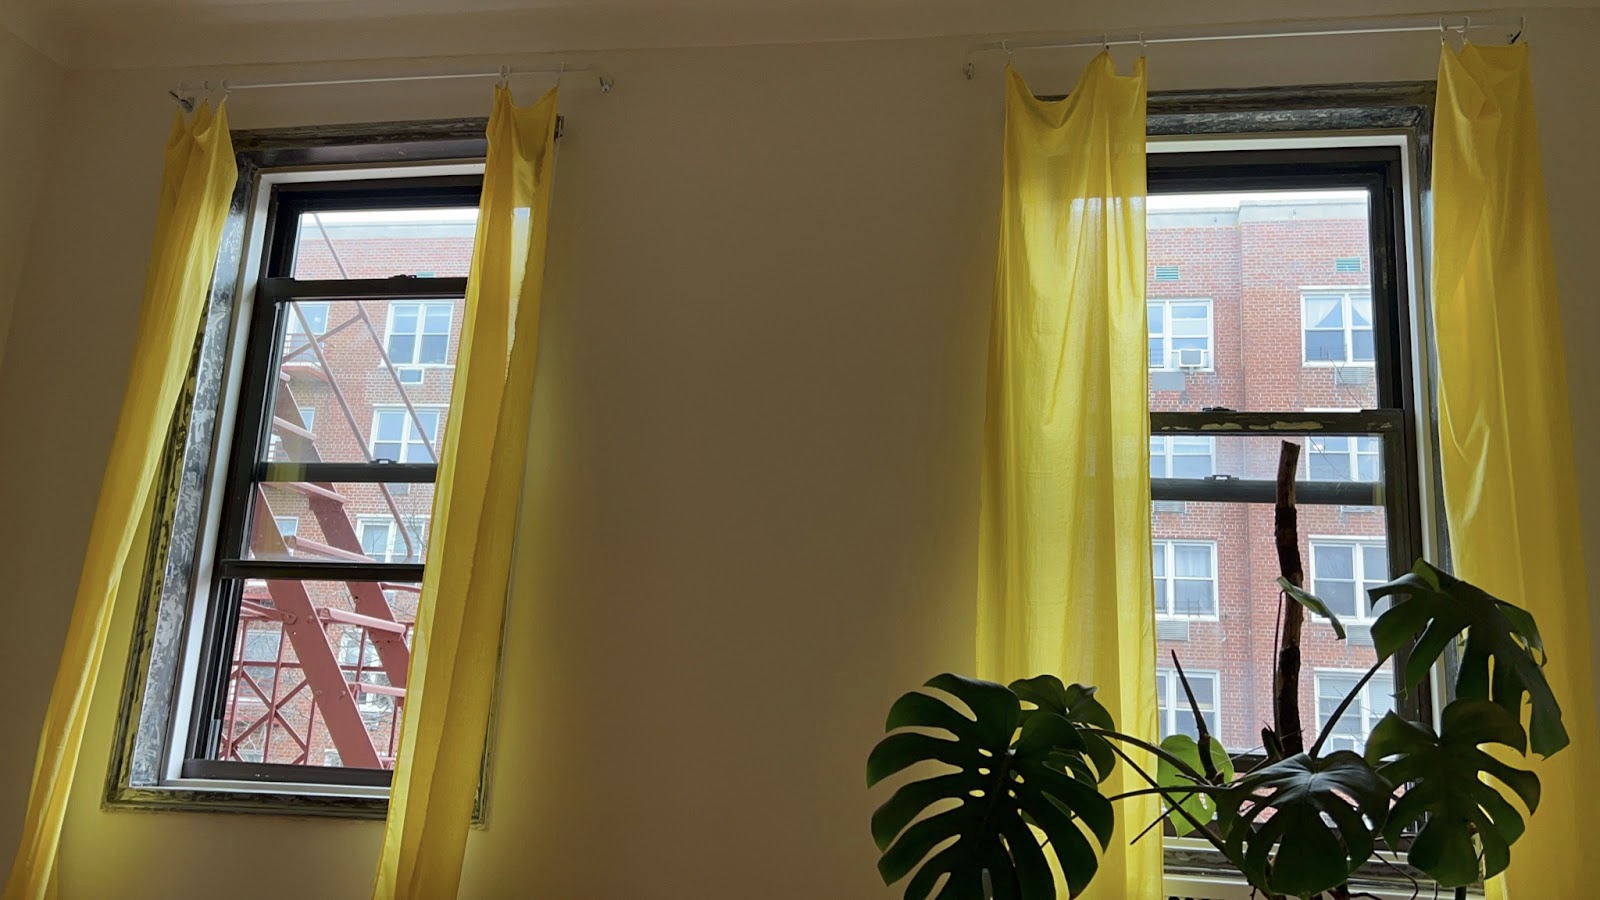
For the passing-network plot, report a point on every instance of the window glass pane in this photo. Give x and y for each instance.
(1193, 598)
(1255, 457)
(1333, 561)
(272, 710)
(1240, 643)
(1266, 261)
(325, 408)
(429, 243)
(341, 522)
(1361, 348)
(1192, 560)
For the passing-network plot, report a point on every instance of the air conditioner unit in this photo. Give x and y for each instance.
(1193, 358)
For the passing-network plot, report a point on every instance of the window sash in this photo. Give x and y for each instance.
(1173, 703)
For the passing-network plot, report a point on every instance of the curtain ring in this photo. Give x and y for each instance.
(1444, 33)
(505, 76)
(1105, 43)
(1144, 48)
(1006, 46)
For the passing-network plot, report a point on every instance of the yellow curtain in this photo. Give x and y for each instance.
(1505, 433)
(1064, 553)
(195, 191)
(454, 657)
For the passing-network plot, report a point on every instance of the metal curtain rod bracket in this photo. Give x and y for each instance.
(185, 95)
(1459, 23)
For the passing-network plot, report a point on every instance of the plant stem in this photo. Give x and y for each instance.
(1286, 532)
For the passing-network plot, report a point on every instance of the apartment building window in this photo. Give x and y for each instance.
(1180, 334)
(1343, 458)
(385, 540)
(419, 333)
(1177, 716)
(1374, 702)
(303, 322)
(1182, 456)
(1185, 579)
(1342, 571)
(1338, 327)
(405, 434)
(1254, 227)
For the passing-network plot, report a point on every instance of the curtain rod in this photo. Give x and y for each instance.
(184, 94)
(1457, 23)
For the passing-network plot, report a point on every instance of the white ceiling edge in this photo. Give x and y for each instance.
(34, 28)
(119, 38)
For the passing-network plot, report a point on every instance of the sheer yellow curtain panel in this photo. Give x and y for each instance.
(196, 188)
(1505, 430)
(1064, 550)
(455, 654)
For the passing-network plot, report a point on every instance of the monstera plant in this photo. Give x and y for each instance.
(1020, 795)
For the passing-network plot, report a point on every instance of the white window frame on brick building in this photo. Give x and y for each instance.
(393, 546)
(1342, 458)
(1174, 456)
(1374, 702)
(1172, 702)
(414, 443)
(427, 316)
(1166, 577)
(316, 315)
(1346, 299)
(1364, 576)
(1175, 358)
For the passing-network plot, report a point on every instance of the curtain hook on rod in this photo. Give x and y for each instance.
(1105, 41)
(1144, 49)
(505, 76)
(1522, 25)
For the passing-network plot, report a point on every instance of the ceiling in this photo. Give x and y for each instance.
(120, 33)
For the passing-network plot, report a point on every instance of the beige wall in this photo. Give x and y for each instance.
(30, 88)
(753, 493)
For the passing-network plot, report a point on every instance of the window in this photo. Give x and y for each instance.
(405, 435)
(1342, 571)
(1343, 458)
(1182, 456)
(1252, 229)
(382, 541)
(1180, 334)
(1177, 716)
(1338, 327)
(1186, 578)
(350, 492)
(304, 320)
(419, 333)
(1374, 702)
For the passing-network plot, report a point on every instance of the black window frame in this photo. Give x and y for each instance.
(1379, 170)
(247, 454)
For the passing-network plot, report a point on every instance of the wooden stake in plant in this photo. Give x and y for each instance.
(1286, 681)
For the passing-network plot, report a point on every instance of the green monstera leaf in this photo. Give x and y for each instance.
(1200, 806)
(1010, 776)
(1432, 607)
(1302, 825)
(1468, 825)
(1076, 704)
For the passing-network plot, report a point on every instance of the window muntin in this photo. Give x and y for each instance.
(1338, 327)
(1375, 701)
(1177, 716)
(1180, 334)
(1185, 579)
(1341, 572)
